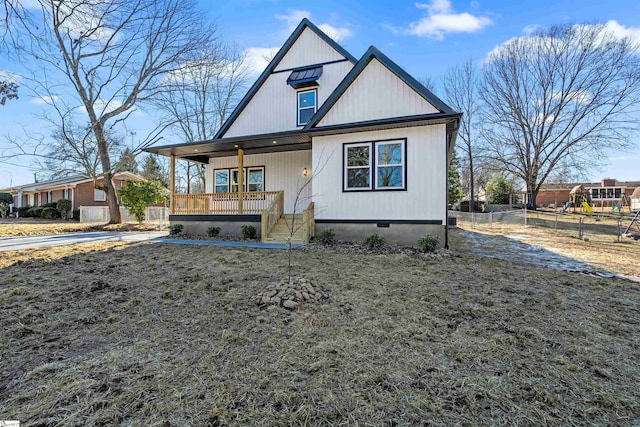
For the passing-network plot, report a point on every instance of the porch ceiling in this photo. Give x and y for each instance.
(201, 152)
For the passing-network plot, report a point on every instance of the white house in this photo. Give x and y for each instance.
(359, 146)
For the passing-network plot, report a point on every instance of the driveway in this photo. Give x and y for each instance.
(38, 242)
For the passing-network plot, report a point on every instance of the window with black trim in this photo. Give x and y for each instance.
(226, 180)
(306, 105)
(377, 165)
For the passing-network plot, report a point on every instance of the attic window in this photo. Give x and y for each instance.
(304, 77)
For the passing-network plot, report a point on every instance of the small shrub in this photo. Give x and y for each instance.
(175, 229)
(428, 243)
(49, 213)
(375, 242)
(249, 231)
(50, 205)
(22, 212)
(64, 207)
(326, 237)
(35, 212)
(6, 199)
(213, 231)
(76, 214)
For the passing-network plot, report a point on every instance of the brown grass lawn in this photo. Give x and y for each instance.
(38, 227)
(168, 335)
(602, 251)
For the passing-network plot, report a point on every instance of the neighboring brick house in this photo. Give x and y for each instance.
(605, 193)
(79, 189)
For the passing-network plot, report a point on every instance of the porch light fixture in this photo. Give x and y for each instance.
(236, 145)
(305, 172)
(275, 142)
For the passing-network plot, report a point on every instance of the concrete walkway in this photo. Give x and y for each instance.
(38, 242)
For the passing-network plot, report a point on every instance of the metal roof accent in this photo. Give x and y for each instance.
(304, 77)
(305, 23)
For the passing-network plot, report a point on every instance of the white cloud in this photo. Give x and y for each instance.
(103, 106)
(441, 19)
(8, 76)
(612, 28)
(294, 16)
(258, 58)
(45, 100)
(335, 33)
(620, 31)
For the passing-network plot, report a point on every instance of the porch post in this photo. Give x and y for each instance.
(240, 178)
(172, 184)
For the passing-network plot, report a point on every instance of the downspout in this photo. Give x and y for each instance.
(446, 194)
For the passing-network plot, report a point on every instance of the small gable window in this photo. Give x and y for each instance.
(307, 104)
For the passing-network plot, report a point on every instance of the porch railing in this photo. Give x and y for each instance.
(253, 202)
(308, 222)
(271, 215)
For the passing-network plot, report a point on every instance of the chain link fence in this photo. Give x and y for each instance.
(595, 227)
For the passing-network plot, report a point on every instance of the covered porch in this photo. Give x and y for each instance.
(274, 167)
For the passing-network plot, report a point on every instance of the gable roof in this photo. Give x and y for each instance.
(304, 24)
(71, 181)
(370, 54)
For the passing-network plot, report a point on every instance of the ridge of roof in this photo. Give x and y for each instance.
(374, 53)
(305, 23)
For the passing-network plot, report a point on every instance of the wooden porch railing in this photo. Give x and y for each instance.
(271, 215)
(309, 222)
(253, 202)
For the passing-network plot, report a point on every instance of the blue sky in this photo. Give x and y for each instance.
(425, 38)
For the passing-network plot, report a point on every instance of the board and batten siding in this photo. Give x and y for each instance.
(274, 107)
(375, 94)
(424, 198)
(308, 49)
(282, 171)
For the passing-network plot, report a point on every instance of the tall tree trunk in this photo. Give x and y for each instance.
(109, 188)
(471, 182)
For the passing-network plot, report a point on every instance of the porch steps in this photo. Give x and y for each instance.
(280, 232)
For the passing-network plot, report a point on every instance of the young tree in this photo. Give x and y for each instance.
(460, 89)
(455, 190)
(138, 195)
(566, 93)
(499, 189)
(152, 170)
(114, 56)
(127, 162)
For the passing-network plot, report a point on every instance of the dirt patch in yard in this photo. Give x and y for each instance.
(37, 227)
(170, 335)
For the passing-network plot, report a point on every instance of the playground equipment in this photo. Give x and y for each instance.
(566, 206)
(625, 202)
(587, 208)
(579, 197)
(634, 222)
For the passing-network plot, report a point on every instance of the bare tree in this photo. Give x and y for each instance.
(114, 56)
(461, 91)
(200, 96)
(567, 93)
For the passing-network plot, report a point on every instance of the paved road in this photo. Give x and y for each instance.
(36, 242)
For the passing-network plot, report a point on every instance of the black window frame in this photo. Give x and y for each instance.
(315, 107)
(373, 165)
(245, 180)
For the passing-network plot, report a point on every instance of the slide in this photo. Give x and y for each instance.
(586, 206)
(567, 206)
